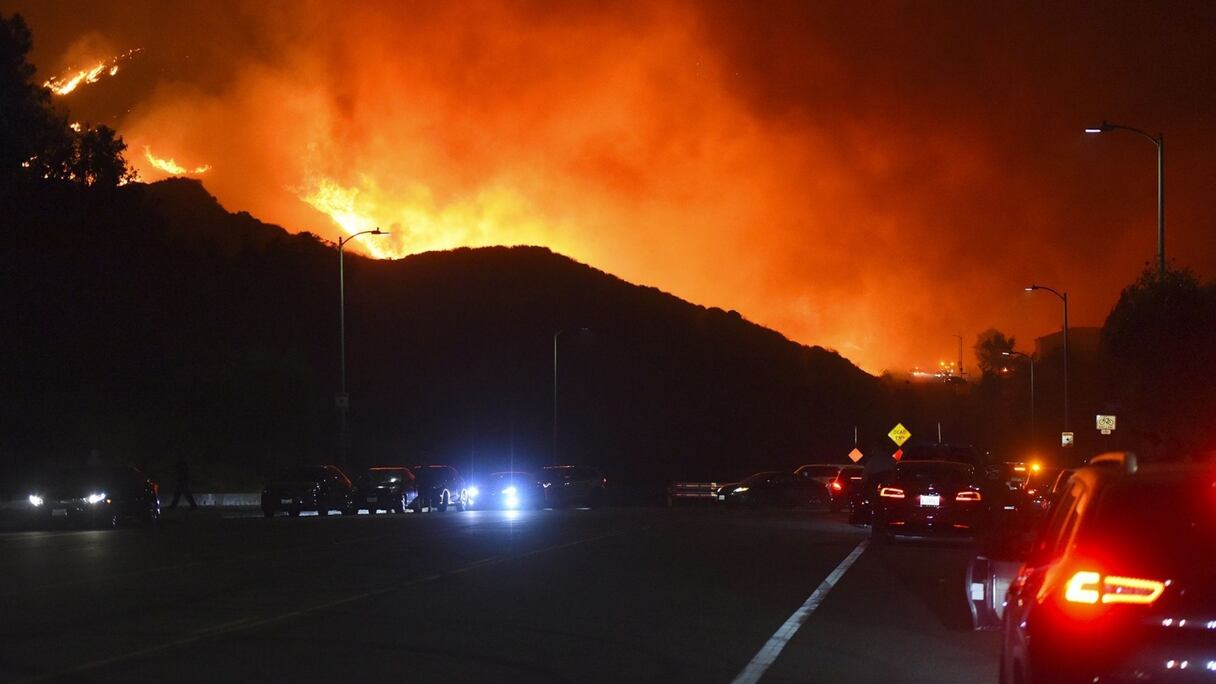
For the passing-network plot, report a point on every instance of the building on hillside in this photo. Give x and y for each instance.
(1081, 341)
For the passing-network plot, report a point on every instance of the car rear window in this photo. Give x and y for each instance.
(940, 452)
(955, 473)
(1165, 522)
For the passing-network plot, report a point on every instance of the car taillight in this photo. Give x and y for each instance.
(891, 493)
(967, 496)
(1087, 586)
(836, 486)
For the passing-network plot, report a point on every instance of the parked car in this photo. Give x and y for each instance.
(389, 488)
(841, 488)
(320, 488)
(96, 496)
(1118, 584)
(568, 485)
(441, 487)
(510, 491)
(773, 488)
(929, 498)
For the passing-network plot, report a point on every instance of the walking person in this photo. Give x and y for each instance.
(183, 483)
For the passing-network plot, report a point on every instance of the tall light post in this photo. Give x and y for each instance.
(1030, 359)
(343, 399)
(1063, 298)
(1159, 141)
(555, 336)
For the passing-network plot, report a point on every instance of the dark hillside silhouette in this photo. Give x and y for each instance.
(150, 322)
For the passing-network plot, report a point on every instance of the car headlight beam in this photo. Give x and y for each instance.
(35, 500)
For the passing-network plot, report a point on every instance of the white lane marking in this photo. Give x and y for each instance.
(245, 624)
(773, 647)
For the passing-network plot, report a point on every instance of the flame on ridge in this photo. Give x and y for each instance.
(69, 82)
(170, 165)
(338, 202)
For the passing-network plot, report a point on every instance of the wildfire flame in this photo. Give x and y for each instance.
(170, 165)
(338, 203)
(65, 84)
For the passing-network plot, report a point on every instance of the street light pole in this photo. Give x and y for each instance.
(1030, 359)
(555, 336)
(342, 401)
(1159, 141)
(1063, 298)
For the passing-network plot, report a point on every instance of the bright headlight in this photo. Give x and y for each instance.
(510, 491)
(35, 500)
(740, 490)
(511, 501)
(96, 498)
(473, 492)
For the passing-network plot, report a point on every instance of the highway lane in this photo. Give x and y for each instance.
(606, 595)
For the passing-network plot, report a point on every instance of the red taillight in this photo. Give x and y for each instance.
(836, 486)
(1087, 586)
(967, 496)
(891, 493)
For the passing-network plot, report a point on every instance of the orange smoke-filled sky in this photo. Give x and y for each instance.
(871, 177)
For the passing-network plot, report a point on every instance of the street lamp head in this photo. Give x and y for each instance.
(377, 231)
(1098, 129)
(1031, 288)
(1005, 353)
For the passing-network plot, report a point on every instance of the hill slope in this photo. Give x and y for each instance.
(150, 320)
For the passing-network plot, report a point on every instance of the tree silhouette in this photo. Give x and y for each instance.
(990, 346)
(36, 141)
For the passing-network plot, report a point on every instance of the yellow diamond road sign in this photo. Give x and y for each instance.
(899, 434)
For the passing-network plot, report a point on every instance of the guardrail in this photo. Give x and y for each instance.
(691, 492)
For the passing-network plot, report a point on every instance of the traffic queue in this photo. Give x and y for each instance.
(101, 496)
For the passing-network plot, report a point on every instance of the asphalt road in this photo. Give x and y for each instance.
(547, 596)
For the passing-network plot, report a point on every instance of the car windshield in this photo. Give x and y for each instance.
(385, 476)
(92, 477)
(512, 478)
(818, 470)
(762, 477)
(303, 474)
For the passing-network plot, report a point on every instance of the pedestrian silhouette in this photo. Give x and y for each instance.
(183, 484)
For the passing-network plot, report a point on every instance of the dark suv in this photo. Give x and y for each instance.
(320, 488)
(1119, 583)
(567, 485)
(439, 487)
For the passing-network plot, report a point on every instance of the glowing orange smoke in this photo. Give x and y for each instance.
(170, 165)
(69, 82)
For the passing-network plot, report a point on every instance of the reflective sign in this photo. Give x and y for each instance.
(855, 455)
(1106, 424)
(899, 434)
(1066, 439)
(899, 453)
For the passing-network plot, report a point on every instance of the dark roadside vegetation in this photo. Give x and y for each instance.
(145, 321)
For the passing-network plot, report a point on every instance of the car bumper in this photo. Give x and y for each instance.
(929, 521)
